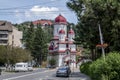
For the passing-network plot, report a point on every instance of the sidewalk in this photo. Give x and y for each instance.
(6, 73)
(77, 74)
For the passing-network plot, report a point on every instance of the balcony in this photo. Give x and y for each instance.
(3, 32)
(3, 38)
(3, 42)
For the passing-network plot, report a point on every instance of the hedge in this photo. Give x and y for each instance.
(108, 69)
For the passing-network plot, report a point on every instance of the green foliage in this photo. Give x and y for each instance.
(52, 62)
(30, 35)
(20, 55)
(40, 45)
(11, 55)
(104, 70)
(84, 68)
(90, 13)
(49, 32)
(3, 54)
(36, 39)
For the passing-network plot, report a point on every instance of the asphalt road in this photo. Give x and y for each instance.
(42, 74)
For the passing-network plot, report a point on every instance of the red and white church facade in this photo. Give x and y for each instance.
(61, 47)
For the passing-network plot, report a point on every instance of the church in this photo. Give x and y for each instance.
(62, 47)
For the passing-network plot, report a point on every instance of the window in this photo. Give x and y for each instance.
(3, 41)
(18, 65)
(3, 35)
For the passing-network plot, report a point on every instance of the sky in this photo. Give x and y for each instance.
(18, 11)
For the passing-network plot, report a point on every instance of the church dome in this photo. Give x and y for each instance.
(61, 31)
(71, 31)
(60, 19)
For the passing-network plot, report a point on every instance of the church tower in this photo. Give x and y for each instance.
(61, 47)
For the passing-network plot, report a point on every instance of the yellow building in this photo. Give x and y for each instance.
(9, 35)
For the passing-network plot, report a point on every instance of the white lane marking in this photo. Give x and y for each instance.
(26, 75)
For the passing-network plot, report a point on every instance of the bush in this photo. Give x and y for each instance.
(108, 69)
(84, 67)
(44, 64)
(52, 62)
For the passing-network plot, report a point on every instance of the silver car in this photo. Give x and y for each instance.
(63, 71)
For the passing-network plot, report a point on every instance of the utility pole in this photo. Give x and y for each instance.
(101, 41)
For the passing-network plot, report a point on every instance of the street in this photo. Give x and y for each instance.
(42, 74)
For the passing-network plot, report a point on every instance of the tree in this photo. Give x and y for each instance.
(13, 55)
(90, 13)
(36, 39)
(20, 55)
(3, 54)
(40, 45)
(30, 35)
(48, 31)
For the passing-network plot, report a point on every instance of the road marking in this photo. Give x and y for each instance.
(26, 75)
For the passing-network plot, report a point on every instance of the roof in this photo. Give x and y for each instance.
(4, 25)
(60, 20)
(71, 31)
(43, 22)
(61, 31)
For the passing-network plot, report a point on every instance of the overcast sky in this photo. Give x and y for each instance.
(18, 11)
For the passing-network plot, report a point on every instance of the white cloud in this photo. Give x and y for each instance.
(43, 9)
(42, 12)
(37, 12)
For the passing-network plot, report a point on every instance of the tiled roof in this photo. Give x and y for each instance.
(60, 20)
(43, 22)
(4, 25)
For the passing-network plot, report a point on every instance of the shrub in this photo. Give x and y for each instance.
(52, 62)
(84, 67)
(108, 69)
(44, 63)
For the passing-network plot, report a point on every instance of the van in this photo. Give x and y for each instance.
(21, 66)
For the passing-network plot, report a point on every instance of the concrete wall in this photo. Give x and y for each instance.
(14, 38)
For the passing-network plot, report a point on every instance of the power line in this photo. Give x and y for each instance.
(33, 11)
(35, 14)
(12, 8)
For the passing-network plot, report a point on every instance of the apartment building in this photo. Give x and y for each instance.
(9, 35)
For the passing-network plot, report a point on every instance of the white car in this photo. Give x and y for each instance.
(30, 68)
(21, 66)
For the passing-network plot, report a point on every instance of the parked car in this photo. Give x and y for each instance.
(22, 66)
(63, 71)
(30, 68)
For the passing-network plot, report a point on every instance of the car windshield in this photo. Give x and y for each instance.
(62, 68)
(18, 65)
